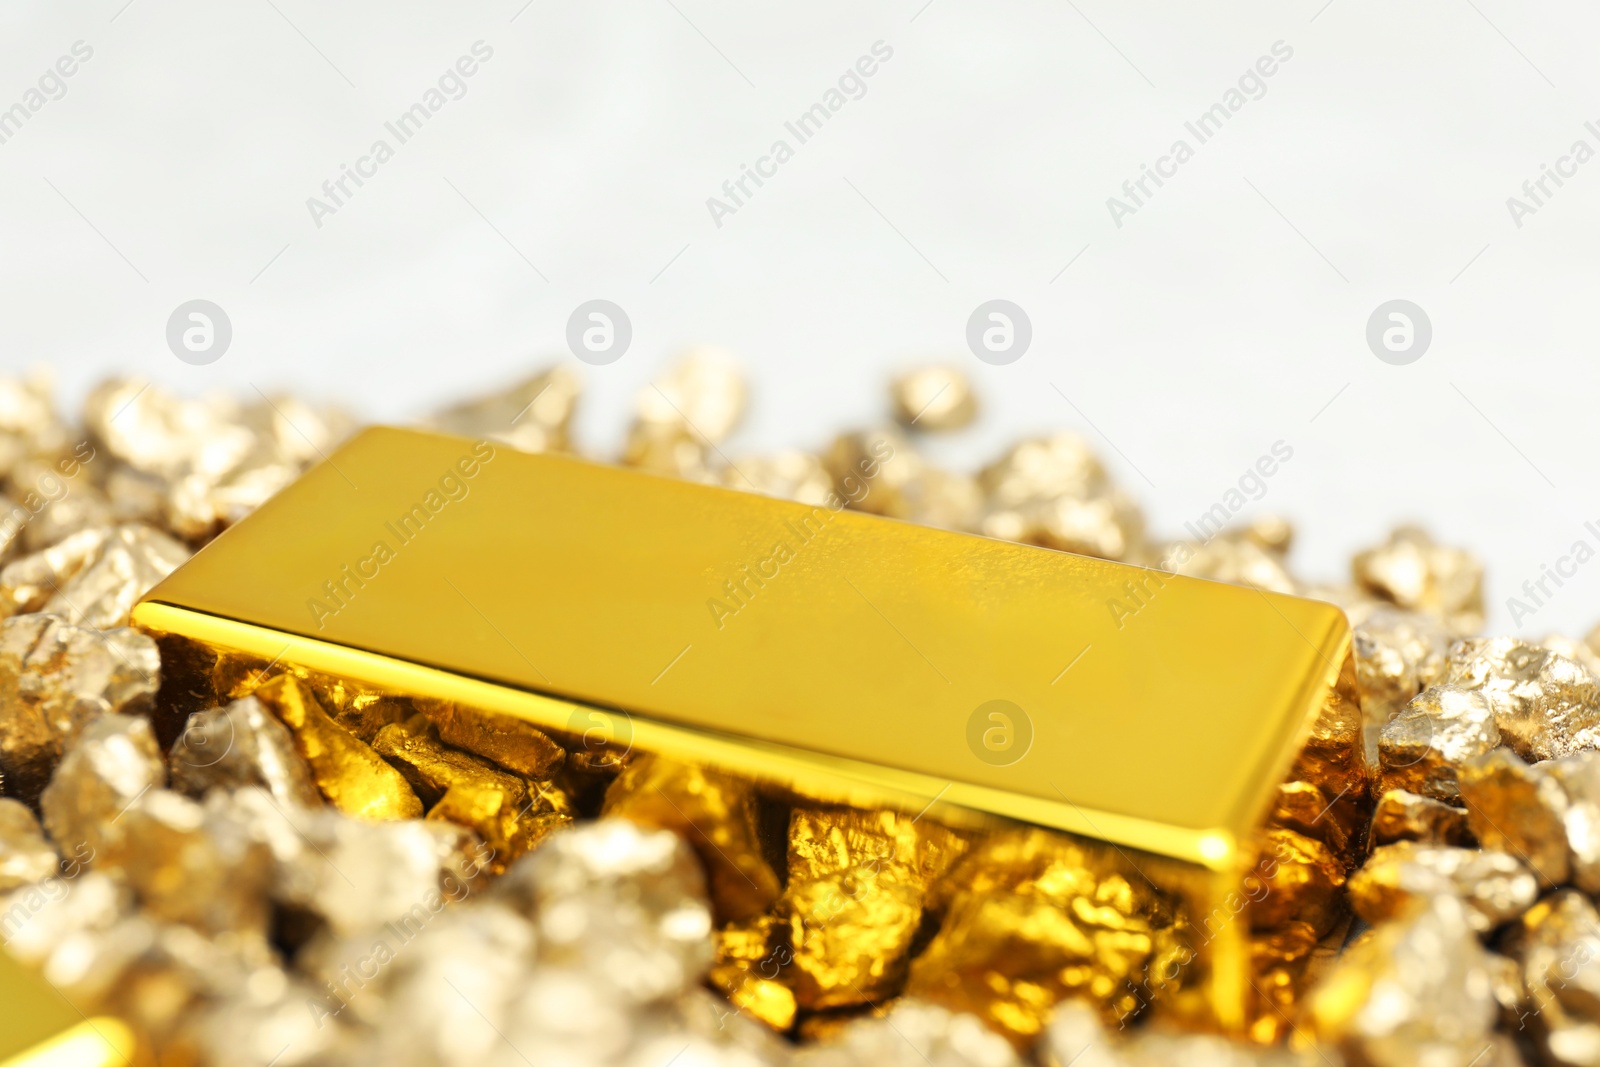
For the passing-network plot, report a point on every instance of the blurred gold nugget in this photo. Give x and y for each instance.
(933, 399)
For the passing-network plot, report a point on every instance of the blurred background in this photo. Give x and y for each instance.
(1184, 332)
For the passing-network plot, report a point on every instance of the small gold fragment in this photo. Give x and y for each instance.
(1235, 556)
(1334, 756)
(55, 679)
(466, 789)
(355, 779)
(54, 501)
(877, 471)
(94, 577)
(359, 710)
(788, 474)
(852, 934)
(1495, 887)
(1406, 816)
(115, 761)
(1579, 651)
(534, 415)
(216, 459)
(25, 856)
(1417, 990)
(1053, 492)
(1441, 728)
(1288, 960)
(715, 814)
(507, 828)
(1305, 808)
(1271, 532)
(913, 1033)
(933, 399)
(234, 675)
(1557, 944)
(514, 744)
(239, 745)
(1412, 570)
(619, 902)
(682, 416)
(1076, 1038)
(190, 866)
(1302, 884)
(858, 884)
(413, 747)
(29, 425)
(1514, 808)
(1032, 918)
(1579, 778)
(749, 959)
(1545, 704)
(1398, 654)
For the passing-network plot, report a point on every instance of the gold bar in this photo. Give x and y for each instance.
(835, 654)
(39, 1027)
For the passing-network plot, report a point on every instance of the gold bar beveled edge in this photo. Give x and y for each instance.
(1332, 647)
(844, 780)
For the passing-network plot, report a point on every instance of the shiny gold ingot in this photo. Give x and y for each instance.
(841, 656)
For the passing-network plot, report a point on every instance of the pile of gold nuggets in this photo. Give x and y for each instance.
(284, 870)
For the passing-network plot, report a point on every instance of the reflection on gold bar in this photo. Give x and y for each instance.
(827, 653)
(39, 1027)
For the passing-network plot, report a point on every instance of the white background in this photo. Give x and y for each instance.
(1225, 315)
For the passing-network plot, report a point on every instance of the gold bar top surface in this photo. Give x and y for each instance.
(1152, 710)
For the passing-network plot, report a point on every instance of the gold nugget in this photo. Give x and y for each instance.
(354, 778)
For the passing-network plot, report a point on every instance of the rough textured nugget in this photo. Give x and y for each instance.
(832, 655)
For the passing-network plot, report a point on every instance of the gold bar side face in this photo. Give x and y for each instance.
(836, 654)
